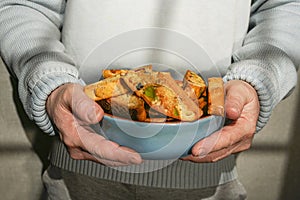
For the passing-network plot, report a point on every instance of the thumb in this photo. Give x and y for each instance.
(234, 100)
(85, 108)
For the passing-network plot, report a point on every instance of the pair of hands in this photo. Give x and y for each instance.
(73, 112)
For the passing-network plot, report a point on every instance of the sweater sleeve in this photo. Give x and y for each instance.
(270, 55)
(31, 48)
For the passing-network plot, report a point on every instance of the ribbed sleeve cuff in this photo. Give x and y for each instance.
(39, 78)
(269, 70)
(39, 96)
(256, 75)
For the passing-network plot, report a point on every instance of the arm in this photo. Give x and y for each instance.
(263, 73)
(48, 80)
(31, 48)
(271, 53)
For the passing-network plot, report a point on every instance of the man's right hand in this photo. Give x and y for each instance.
(72, 113)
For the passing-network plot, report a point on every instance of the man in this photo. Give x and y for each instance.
(46, 44)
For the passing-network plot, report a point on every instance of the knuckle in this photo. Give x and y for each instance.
(210, 159)
(249, 136)
(252, 130)
(248, 145)
(76, 154)
(70, 143)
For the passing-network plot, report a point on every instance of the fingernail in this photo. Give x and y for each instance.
(92, 113)
(202, 152)
(135, 160)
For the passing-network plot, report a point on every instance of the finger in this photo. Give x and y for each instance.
(75, 135)
(79, 154)
(226, 137)
(220, 154)
(238, 95)
(235, 99)
(110, 162)
(101, 148)
(109, 150)
(242, 101)
(211, 157)
(84, 108)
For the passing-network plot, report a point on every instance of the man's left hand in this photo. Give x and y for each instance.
(242, 108)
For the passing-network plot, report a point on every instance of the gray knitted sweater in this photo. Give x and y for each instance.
(31, 47)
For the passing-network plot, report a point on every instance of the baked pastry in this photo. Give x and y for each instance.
(106, 88)
(112, 84)
(193, 84)
(127, 106)
(108, 73)
(150, 96)
(165, 96)
(216, 96)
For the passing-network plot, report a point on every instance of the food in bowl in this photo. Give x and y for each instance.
(156, 115)
(148, 96)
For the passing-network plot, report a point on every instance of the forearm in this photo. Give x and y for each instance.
(31, 48)
(269, 57)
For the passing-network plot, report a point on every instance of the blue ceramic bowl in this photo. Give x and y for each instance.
(159, 141)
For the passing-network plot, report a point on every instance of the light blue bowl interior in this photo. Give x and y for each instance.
(159, 141)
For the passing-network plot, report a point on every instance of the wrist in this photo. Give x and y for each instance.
(47, 86)
(257, 77)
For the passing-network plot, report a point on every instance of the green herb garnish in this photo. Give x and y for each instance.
(176, 113)
(150, 92)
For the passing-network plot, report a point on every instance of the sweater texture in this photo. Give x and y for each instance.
(31, 46)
